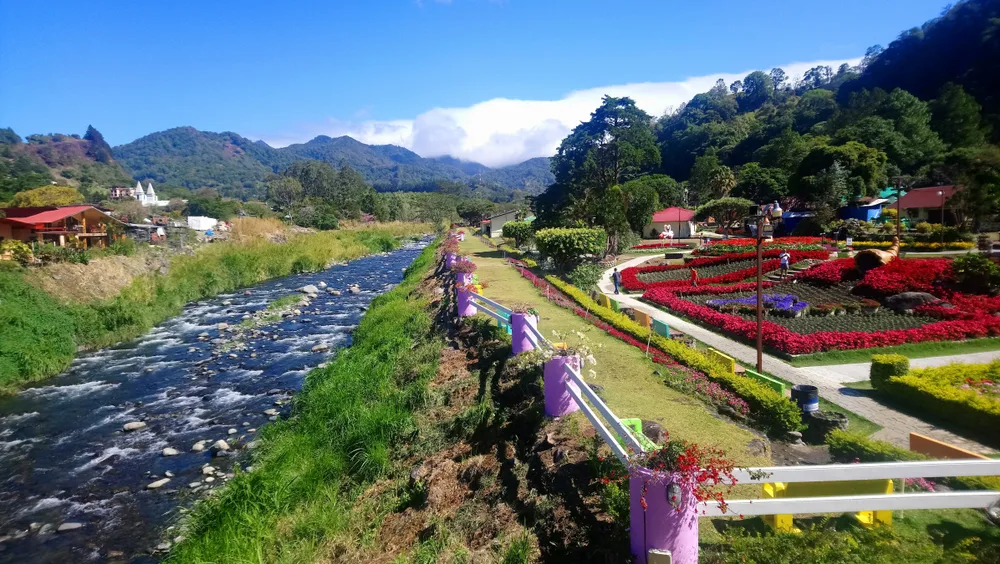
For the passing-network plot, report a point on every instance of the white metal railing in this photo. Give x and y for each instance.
(536, 337)
(494, 314)
(852, 503)
(604, 410)
(864, 502)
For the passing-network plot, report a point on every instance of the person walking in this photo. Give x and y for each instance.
(784, 258)
(694, 278)
(616, 277)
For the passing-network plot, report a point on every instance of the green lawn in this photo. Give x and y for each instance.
(631, 388)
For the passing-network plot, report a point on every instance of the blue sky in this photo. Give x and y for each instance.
(495, 81)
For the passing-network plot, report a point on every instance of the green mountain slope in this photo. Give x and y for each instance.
(238, 167)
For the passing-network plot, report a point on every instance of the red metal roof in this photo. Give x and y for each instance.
(49, 215)
(926, 197)
(673, 214)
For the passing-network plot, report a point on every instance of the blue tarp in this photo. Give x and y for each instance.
(864, 213)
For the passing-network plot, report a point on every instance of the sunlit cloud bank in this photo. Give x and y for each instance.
(500, 131)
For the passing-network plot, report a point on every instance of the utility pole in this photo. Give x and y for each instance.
(760, 295)
(899, 186)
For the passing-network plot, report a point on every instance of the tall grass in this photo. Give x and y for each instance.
(347, 419)
(38, 335)
(247, 229)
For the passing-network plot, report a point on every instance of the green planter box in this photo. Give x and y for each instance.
(661, 328)
(775, 385)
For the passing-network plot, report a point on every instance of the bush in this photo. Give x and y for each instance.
(125, 247)
(976, 274)
(585, 275)
(960, 393)
(924, 227)
(885, 366)
(520, 231)
(566, 246)
(19, 251)
(773, 411)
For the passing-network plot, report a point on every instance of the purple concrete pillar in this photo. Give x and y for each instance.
(558, 402)
(660, 525)
(449, 260)
(463, 278)
(519, 332)
(464, 301)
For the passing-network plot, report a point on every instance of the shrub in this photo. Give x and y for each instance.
(125, 247)
(885, 366)
(964, 394)
(772, 410)
(975, 273)
(19, 251)
(585, 275)
(924, 227)
(520, 231)
(568, 245)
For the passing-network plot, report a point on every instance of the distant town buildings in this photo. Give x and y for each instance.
(146, 197)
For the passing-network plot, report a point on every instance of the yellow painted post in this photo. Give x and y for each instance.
(781, 523)
(784, 523)
(727, 361)
(604, 301)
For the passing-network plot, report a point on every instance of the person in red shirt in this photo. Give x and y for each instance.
(694, 278)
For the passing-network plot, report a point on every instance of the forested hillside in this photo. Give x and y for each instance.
(830, 136)
(82, 162)
(239, 167)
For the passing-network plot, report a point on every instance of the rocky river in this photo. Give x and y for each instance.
(98, 463)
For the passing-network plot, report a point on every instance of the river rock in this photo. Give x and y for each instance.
(321, 347)
(208, 470)
(354, 289)
(170, 451)
(654, 431)
(158, 484)
(210, 479)
(910, 300)
(168, 474)
(194, 485)
(46, 529)
(227, 303)
(231, 432)
(309, 289)
(163, 547)
(223, 326)
(321, 285)
(199, 446)
(270, 412)
(133, 426)
(71, 526)
(220, 445)
(333, 292)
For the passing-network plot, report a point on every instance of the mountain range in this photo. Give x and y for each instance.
(238, 167)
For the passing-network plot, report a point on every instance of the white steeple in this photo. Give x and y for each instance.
(139, 191)
(150, 194)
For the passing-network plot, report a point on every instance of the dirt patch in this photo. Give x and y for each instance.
(101, 279)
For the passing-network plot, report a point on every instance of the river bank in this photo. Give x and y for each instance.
(40, 335)
(116, 447)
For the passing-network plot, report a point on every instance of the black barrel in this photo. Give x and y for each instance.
(806, 397)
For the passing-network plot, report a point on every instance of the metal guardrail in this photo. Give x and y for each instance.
(851, 503)
(869, 471)
(536, 337)
(604, 410)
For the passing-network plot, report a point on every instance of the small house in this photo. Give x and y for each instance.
(87, 225)
(201, 223)
(680, 220)
(929, 204)
(493, 226)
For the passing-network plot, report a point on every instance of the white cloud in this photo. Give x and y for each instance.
(500, 131)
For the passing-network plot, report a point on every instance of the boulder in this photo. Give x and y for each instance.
(208, 470)
(309, 289)
(231, 432)
(170, 452)
(821, 423)
(133, 426)
(198, 446)
(757, 447)
(654, 431)
(158, 484)
(333, 292)
(71, 526)
(321, 347)
(321, 285)
(354, 289)
(911, 300)
(270, 412)
(220, 445)
(223, 326)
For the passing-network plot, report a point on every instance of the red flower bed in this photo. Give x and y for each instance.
(831, 273)
(779, 338)
(904, 275)
(778, 241)
(631, 281)
(661, 246)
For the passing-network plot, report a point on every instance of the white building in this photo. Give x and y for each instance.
(201, 223)
(148, 197)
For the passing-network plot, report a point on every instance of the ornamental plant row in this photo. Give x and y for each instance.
(782, 339)
(631, 281)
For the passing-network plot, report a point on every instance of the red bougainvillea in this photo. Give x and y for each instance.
(777, 241)
(831, 273)
(905, 275)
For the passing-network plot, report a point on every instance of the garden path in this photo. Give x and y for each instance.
(896, 426)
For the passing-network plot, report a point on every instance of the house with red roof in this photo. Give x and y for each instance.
(680, 220)
(86, 225)
(929, 204)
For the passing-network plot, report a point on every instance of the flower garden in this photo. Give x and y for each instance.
(830, 306)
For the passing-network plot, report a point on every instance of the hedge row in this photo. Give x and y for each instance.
(847, 447)
(947, 391)
(772, 410)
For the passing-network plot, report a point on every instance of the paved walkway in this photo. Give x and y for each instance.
(829, 379)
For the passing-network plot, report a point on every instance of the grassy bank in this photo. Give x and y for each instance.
(39, 334)
(309, 469)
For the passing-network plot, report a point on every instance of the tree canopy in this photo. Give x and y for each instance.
(47, 196)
